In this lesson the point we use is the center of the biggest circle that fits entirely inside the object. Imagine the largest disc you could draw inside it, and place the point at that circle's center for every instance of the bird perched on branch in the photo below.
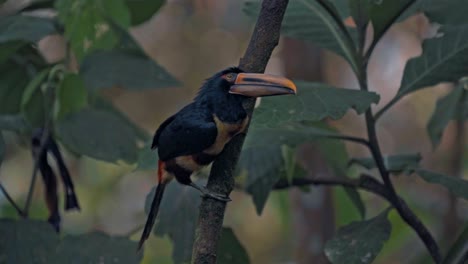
(194, 136)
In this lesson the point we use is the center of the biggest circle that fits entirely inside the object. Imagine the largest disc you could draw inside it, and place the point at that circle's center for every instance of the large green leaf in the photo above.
(126, 66)
(30, 241)
(314, 102)
(96, 248)
(264, 167)
(87, 25)
(455, 185)
(99, 103)
(443, 60)
(9, 48)
(26, 241)
(142, 10)
(360, 10)
(446, 12)
(230, 250)
(32, 100)
(177, 218)
(72, 95)
(394, 163)
(308, 20)
(99, 135)
(12, 84)
(26, 28)
(359, 242)
(449, 107)
(107, 69)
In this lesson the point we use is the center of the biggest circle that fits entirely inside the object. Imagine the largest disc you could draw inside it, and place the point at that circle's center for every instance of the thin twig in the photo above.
(386, 107)
(10, 199)
(404, 211)
(364, 182)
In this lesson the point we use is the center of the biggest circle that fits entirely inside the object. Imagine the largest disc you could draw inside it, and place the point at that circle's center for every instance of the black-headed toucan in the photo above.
(194, 136)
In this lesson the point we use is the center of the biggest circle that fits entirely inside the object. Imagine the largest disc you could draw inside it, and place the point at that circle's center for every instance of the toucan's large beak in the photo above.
(256, 85)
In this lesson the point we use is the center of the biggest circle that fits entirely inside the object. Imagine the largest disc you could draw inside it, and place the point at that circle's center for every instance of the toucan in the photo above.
(194, 136)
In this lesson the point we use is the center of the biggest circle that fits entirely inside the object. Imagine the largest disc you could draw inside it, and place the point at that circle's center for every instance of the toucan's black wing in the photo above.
(188, 132)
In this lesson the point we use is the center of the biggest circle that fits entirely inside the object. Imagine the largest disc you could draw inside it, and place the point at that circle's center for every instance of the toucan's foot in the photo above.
(215, 196)
(208, 194)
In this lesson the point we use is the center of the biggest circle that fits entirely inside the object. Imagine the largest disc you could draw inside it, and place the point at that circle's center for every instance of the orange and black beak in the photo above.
(257, 85)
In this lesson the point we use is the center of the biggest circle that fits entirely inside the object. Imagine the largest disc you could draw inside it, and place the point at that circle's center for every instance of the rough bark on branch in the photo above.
(262, 43)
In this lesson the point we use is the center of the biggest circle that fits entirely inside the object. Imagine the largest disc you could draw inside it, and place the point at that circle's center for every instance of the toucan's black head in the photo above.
(234, 83)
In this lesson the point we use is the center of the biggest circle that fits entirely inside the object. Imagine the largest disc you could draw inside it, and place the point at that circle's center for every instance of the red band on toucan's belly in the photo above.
(161, 166)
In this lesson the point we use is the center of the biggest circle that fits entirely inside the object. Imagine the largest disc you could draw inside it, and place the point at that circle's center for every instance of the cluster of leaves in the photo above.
(284, 123)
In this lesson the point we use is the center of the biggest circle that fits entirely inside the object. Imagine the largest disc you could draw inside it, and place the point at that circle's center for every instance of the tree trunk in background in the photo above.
(313, 212)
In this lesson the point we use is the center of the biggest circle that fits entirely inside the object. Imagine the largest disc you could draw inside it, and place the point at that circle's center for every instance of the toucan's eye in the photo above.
(230, 77)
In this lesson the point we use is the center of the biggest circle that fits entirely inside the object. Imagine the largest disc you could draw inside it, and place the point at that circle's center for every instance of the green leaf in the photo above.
(96, 248)
(455, 185)
(357, 201)
(177, 218)
(33, 86)
(33, 106)
(308, 20)
(72, 95)
(359, 242)
(446, 12)
(342, 6)
(147, 158)
(35, 110)
(230, 250)
(12, 84)
(394, 163)
(314, 102)
(15, 123)
(384, 13)
(360, 10)
(31, 241)
(87, 23)
(449, 107)
(127, 66)
(442, 61)
(26, 240)
(26, 28)
(289, 161)
(99, 103)
(107, 69)
(98, 134)
(9, 48)
(2, 148)
(143, 10)
(263, 165)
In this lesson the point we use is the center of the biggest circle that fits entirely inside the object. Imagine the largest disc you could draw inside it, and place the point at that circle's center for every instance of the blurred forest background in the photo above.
(192, 39)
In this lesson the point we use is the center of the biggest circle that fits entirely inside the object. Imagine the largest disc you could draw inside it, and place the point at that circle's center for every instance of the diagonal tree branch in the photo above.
(262, 43)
